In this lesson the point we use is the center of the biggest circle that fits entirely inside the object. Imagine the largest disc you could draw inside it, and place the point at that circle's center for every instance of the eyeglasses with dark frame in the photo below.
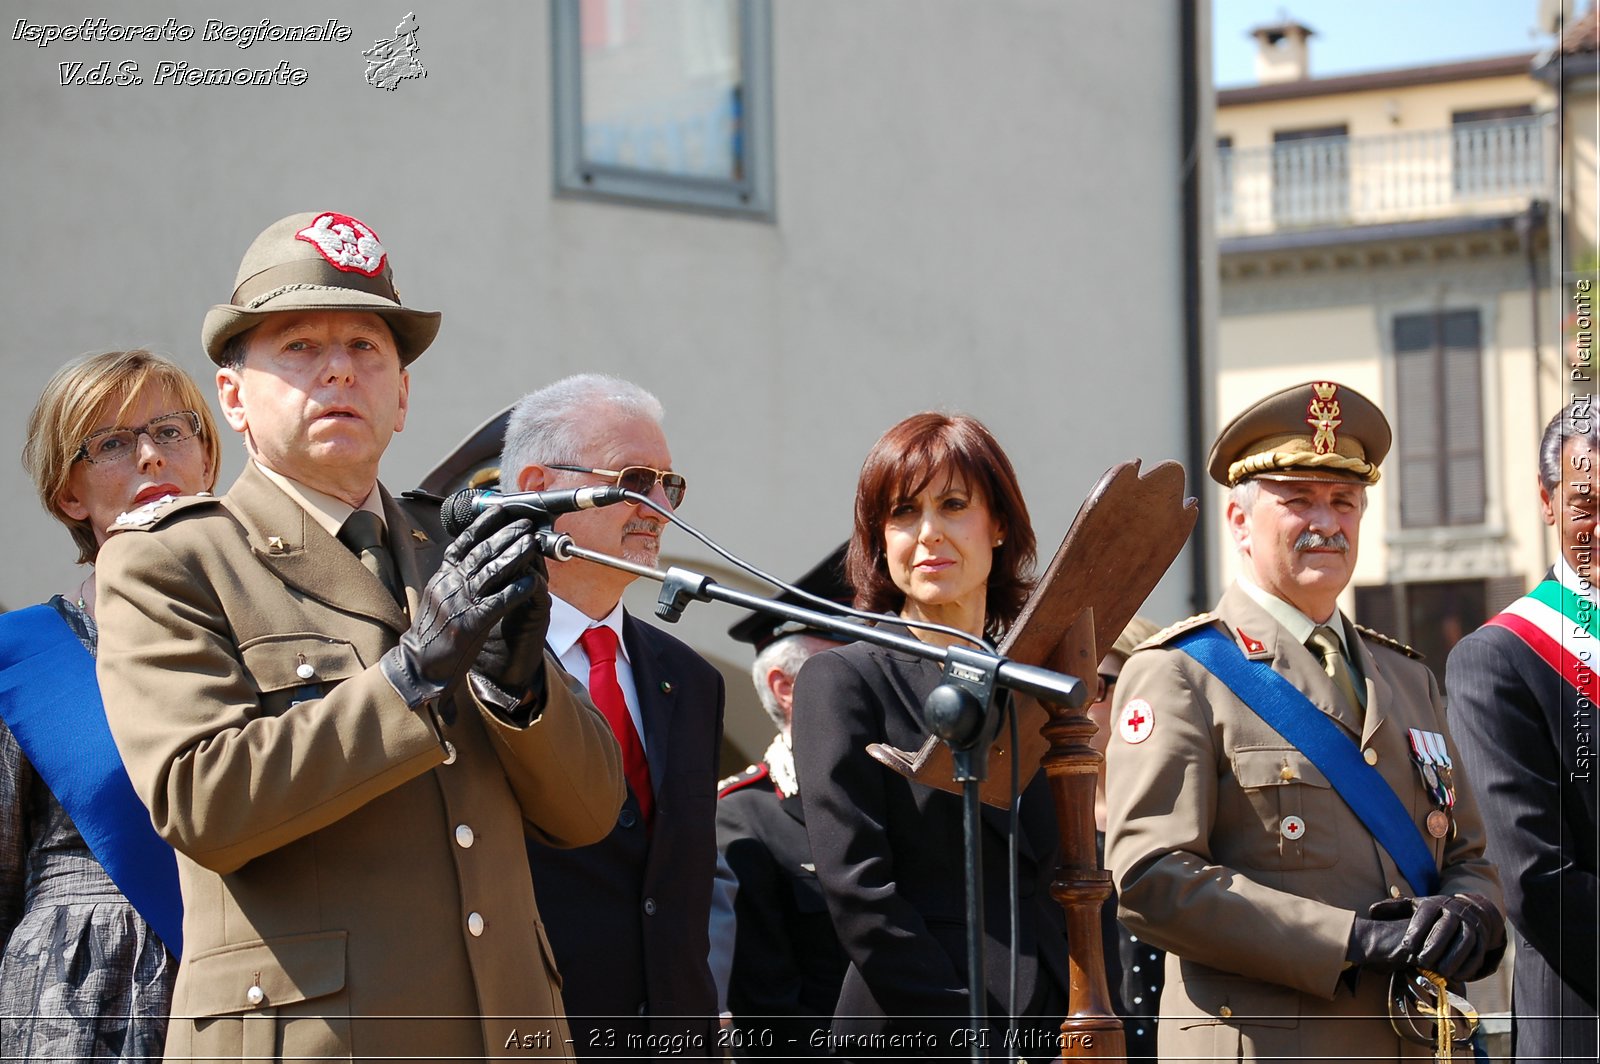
(639, 479)
(121, 443)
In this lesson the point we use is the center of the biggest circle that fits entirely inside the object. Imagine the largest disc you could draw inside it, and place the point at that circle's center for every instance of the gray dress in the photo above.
(82, 976)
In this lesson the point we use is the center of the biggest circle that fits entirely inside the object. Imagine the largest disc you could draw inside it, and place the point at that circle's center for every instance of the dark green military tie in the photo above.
(362, 532)
(1324, 642)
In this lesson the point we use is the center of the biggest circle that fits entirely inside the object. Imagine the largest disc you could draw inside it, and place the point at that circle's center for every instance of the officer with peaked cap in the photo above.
(1287, 816)
(341, 720)
(787, 961)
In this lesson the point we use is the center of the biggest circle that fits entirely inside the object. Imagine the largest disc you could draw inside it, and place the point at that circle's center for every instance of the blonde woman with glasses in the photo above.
(89, 911)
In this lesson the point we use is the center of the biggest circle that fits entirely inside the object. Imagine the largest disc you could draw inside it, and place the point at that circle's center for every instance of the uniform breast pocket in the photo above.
(1297, 810)
(297, 667)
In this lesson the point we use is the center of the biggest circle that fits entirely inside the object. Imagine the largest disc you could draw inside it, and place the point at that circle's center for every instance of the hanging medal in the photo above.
(1433, 764)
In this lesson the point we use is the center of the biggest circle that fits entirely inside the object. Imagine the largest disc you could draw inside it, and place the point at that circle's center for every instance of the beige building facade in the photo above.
(1406, 233)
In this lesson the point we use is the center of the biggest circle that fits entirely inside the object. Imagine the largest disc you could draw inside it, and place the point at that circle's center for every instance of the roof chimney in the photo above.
(1281, 52)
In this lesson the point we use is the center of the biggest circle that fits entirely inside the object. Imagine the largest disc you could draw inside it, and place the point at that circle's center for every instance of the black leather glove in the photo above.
(485, 573)
(512, 658)
(1377, 944)
(1460, 937)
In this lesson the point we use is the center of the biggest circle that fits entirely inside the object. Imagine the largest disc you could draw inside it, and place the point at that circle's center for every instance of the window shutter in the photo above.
(1439, 420)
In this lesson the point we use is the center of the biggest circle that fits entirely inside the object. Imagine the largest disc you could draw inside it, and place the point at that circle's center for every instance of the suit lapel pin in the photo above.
(1251, 646)
(419, 535)
(666, 687)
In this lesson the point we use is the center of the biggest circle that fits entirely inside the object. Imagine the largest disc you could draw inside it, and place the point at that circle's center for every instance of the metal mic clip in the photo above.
(553, 544)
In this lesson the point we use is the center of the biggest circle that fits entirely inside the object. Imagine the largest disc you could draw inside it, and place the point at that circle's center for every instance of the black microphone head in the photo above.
(461, 509)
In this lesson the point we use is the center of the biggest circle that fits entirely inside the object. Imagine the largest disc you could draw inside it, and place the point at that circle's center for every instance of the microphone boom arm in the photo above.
(680, 586)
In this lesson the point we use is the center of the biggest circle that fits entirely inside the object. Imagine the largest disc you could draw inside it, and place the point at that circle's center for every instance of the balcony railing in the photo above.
(1470, 168)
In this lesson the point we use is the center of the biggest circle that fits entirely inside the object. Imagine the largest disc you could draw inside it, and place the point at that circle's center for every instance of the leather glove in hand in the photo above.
(485, 574)
(1460, 937)
(512, 657)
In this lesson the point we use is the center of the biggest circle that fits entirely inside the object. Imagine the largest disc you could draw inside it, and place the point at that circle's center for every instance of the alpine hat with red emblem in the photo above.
(1319, 430)
(322, 260)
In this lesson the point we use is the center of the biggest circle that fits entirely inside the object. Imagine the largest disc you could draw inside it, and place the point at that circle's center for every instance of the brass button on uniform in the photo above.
(1225, 1012)
(305, 671)
(1394, 892)
(255, 995)
(475, 924)
(1286, 773)
(1370, 756)
(464, 837)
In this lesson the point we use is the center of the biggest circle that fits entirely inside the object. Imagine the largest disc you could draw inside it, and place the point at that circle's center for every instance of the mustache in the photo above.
(643, 524)
(1310, 540)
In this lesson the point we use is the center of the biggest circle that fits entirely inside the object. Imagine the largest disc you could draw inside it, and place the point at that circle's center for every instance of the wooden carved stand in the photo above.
(1127, 533)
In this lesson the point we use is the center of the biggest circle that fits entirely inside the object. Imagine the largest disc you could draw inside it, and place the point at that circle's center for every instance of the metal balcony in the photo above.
(1478, 168)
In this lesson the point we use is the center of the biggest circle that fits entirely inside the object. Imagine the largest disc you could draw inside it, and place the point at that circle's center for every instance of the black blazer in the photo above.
(628, 916)
(889, 855)
(1518, 727)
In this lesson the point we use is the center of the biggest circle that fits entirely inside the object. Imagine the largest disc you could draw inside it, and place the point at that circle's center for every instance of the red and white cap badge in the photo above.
(346, 243)
(1136, 721)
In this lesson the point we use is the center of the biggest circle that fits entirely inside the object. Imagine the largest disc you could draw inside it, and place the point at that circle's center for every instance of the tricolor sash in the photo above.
(50, 700)
(1562, 628)
(1290, 713)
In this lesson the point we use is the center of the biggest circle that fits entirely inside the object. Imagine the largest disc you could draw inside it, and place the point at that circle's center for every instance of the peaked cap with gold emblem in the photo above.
(321, 260)
(1319, 430)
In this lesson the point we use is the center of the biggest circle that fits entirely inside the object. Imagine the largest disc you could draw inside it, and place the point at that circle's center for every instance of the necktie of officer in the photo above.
(362, 532)
(1324, 642)
(600, 643)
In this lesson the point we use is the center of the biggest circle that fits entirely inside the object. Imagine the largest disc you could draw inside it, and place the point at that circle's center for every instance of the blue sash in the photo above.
(50, 700)
(1291, 714)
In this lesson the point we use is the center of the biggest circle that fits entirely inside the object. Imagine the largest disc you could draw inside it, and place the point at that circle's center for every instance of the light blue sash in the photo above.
(50, 700)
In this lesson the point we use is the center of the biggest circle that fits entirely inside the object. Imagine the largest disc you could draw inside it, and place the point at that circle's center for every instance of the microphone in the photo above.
(462, 508)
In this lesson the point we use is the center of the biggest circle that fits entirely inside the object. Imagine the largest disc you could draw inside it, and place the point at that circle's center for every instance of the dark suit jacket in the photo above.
(889, 854)
(1518, 726)
(787, 963)
(628, 916)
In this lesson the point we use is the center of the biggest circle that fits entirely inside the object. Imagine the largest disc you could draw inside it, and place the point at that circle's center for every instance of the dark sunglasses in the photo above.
(639, 479)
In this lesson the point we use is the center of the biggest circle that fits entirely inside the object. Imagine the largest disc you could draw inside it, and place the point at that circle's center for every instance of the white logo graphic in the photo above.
(393, 61)
(346, 243)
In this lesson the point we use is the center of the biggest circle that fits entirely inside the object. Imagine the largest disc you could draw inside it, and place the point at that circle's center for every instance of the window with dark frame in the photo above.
(664, 104)
(1432, 616)
(1439, 419)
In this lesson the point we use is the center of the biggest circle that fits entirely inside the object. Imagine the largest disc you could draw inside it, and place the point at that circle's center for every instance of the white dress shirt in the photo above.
(567, 624)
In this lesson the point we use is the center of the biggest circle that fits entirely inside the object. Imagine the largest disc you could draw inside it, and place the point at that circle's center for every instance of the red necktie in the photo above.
(600, 643)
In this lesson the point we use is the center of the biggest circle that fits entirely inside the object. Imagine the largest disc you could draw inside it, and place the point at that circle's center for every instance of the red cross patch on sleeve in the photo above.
(1136, 721)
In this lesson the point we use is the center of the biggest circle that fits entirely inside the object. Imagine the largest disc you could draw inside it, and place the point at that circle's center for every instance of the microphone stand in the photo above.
(963, 710)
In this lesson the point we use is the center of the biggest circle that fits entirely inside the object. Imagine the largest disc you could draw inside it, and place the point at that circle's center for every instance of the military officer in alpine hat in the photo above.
(1287, 815)
(342, 720)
